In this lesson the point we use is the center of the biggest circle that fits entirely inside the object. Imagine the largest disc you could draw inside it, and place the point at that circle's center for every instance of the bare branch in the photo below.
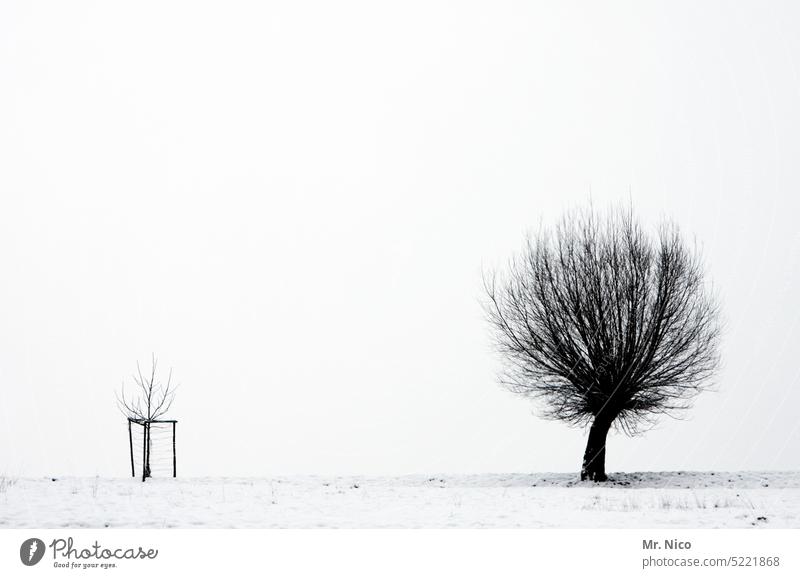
(152, 400)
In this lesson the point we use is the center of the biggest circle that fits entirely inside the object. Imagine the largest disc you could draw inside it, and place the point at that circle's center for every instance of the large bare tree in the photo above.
(606, 324)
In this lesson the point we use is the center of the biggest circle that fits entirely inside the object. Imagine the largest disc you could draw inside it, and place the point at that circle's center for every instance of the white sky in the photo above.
(291, 204)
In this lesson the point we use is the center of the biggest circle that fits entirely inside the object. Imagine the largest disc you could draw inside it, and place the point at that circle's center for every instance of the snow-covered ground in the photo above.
(630, 500)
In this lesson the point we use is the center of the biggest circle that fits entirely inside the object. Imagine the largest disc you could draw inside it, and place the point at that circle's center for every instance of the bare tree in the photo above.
(605, 324)
(150, 401)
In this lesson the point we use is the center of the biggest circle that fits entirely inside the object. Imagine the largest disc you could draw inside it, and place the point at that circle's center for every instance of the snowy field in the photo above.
(631, 500)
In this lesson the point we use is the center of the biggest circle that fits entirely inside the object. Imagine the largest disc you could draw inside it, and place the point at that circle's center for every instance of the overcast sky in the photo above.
(291, 204)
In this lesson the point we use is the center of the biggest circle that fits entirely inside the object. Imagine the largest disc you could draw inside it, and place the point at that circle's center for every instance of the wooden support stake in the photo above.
(144, 451)
(174, 465)
(130, 441)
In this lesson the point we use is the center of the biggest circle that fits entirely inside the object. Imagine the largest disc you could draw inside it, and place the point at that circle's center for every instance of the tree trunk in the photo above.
(147, 453)
(594, 459)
